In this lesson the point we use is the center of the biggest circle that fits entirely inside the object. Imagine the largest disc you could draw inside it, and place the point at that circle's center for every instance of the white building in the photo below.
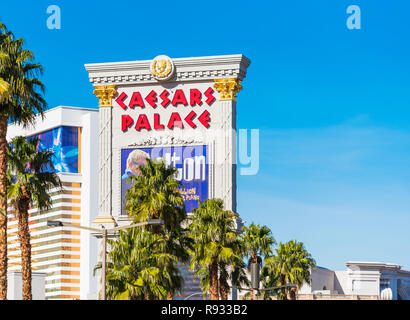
(67, 255)
(361, 280)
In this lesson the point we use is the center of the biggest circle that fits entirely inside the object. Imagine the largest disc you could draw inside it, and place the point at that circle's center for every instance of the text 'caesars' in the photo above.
(163, 100)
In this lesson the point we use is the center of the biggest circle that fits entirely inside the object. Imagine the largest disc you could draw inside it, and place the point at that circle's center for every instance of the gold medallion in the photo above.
(162, 67)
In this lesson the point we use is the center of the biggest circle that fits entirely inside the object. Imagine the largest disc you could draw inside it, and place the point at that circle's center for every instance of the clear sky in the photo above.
(332, 104)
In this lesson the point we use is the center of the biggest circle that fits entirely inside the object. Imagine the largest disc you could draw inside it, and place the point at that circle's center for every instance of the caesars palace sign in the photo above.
(182, 111)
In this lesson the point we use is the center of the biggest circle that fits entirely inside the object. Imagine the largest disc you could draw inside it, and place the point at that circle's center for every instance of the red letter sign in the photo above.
(204, 118)
(136, 100)
(195, 97)
(157, 123)
(152, 98)
(208, 94)
(164, 97)
(142, 123)
(126, 122)
(120, 100)
(188, 119)
(175, 120)
(179, 97)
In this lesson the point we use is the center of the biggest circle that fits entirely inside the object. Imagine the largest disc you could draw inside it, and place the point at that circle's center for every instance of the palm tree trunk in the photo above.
(156, 228)
(283, 282)
(3, 208)
(223, 288)
(292, 294)
(213, 280)
(25, 246)
(148, 295)
(254, 259)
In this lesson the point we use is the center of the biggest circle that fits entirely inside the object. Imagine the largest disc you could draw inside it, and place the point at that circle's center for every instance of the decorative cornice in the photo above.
(165, 140)
(105, 95)
(228, 88)
(186, 69)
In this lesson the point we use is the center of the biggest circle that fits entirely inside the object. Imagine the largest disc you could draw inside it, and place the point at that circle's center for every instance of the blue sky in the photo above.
(332, 104)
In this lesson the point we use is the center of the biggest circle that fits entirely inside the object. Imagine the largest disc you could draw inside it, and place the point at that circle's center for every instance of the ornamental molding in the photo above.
(166, 140)
(105, 95)
(228, 88)
(186, 69)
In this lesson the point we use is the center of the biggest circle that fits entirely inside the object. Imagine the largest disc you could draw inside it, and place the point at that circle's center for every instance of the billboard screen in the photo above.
(190, 161)
(63, 142)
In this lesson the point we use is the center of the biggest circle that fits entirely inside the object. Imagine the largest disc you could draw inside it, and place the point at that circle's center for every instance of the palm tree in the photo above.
(138, 266)
(24, 99)
(203, 274)
(213, 230)
(223, 285)
(234, 271)
(177, 243)
(257, 241)
(269, 280)
(290, 265)
(155, 195)
(237, 271)
(31, 176)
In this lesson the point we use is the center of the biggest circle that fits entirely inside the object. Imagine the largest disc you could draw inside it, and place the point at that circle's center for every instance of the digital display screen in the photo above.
(63, 142)
(190, 161)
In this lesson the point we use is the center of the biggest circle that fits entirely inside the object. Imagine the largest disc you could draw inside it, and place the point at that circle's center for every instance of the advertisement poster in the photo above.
(190, 161)
(63, 141)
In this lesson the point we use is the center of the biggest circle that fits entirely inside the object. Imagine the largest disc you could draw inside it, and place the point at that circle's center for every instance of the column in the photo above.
(226, 141)
(105, 95)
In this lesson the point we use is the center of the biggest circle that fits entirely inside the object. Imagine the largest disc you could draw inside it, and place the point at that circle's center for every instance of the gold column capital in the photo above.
(105, 94)
(228, 88)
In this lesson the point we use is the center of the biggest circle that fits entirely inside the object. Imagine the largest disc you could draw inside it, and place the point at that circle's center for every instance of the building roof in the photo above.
(55, 117)
(368, 264)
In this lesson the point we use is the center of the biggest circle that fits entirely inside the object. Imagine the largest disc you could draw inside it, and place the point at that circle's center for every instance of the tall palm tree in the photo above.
(223, 277)
(213, 230)
(155, 195)
(24, 99)
(257, 242)
(138, 266)
(290, 265)
(31, 176)
(233, 270)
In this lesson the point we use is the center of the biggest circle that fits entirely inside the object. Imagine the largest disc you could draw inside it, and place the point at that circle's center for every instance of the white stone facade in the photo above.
(190, 73)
